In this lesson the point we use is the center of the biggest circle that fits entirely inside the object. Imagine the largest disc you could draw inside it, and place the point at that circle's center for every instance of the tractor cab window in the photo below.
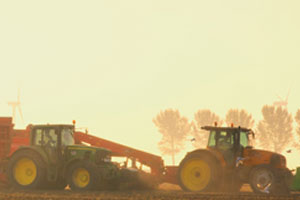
(212, 139)
(225, 140)
(45, 137)
(244, 139)
(221, 139)
(38, 137)
(67, 137)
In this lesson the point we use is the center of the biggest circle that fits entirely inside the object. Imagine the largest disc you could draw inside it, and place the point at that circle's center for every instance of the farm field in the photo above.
(165, 192)
(135, 195)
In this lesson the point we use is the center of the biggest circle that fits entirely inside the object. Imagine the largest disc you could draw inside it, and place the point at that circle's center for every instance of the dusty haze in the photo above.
(113, 65)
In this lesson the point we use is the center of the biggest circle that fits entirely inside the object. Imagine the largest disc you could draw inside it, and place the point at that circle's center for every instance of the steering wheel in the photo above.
(224, 144)
(50, 142)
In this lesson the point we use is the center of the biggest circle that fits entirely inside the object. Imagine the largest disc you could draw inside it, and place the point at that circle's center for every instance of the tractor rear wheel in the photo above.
(83, 176)
(26, 170)
(198, 172)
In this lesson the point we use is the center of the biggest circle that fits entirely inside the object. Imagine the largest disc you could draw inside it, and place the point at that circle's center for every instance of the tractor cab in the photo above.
(58, 143)
(52, 136)
(229, 141)
(52, 140)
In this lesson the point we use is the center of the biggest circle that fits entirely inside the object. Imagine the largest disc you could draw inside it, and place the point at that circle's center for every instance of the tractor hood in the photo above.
(258, 156)
(87, 152)
(87, 148)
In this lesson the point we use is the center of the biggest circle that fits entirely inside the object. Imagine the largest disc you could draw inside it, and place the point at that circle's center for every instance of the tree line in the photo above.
(274, 132)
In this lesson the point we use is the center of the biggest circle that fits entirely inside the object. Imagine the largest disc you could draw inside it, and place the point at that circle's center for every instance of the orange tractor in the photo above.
(229, 161)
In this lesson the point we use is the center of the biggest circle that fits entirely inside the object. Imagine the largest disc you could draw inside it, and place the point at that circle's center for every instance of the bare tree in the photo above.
(275, 130)
(239, 118)
(174, 130)
(203, 118)
(297, 119)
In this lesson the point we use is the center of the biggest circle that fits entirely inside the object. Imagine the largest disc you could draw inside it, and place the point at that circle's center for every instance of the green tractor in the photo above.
(53, 161)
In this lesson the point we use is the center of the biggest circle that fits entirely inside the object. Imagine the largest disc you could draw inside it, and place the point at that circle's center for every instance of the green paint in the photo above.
(296, 182)
(78, 152)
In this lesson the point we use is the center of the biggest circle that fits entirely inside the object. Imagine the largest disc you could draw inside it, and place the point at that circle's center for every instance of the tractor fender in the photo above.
(277, 161)
(210, 153)
(33, 150)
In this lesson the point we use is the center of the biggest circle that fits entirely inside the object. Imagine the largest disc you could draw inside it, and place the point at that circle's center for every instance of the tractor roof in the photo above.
(228, 129)
(52, 125)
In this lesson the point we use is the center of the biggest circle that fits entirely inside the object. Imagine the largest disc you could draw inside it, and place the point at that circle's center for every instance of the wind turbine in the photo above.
(16, 105)
(282, 102)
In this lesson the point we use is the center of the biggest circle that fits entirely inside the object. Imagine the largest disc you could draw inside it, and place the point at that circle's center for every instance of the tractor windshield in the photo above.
(67, 136)
(221, 139)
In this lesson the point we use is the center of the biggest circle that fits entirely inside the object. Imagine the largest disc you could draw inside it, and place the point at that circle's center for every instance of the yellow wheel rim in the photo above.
(25, 171)
(81, 177)
(195, 174)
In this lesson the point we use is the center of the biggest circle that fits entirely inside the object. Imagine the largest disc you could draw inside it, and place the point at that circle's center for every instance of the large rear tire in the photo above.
(198, 172)
(83, 176)
(26, 170)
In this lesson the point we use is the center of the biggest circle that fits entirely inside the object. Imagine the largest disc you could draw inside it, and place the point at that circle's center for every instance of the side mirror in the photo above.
(253, 135)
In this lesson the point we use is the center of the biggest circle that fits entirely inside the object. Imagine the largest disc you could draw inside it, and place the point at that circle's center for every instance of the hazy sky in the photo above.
(113, 65)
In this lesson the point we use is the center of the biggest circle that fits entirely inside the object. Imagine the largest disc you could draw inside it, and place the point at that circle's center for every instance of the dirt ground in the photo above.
(165, 192)
(135, 195)
(167, 186)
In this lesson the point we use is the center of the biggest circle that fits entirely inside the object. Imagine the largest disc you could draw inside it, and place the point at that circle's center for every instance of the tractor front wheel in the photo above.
(262, 179)
(26, 170)
(83, 176)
